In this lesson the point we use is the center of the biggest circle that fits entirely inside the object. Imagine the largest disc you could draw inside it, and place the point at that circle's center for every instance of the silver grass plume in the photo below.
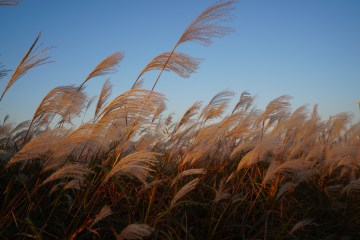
(32, 58)
(183, 191)
(222, 192)
(40, 146)
(288, 186)
(137, 164)
(188, 172)
(193, 110)
(245, 102)
(65, 101)
(207, 24)
(105, 67)
(75, 171)
(104, 96)
(217, 105)
(276, 110)
(134, 231)
(104, 212)
(202, 29)
(134, 102)
(179, 63)
(301, 224)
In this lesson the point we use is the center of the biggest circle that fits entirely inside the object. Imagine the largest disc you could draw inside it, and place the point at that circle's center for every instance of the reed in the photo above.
(217, 172)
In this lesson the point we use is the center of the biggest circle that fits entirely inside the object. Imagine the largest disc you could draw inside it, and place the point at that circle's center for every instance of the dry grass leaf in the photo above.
(184, 136)
(193, 156)
(245, 126)
(207, 24)
(106, 66)
(295, 122)
(245, 102)
(337, 125)
(150, 185)
(73, 184)
(137, 165)
(179, 63)
(32, 58)
(42, 145)
(187, 172)
(301, 224)
(256, 154)
(21, 126)
(104, 96)
(222, 192)
(217, 105)
(293, 166)
(276, 110)
(65, 101)
(145, 142)
(134, 103)
(353, 134)
(11, 136)
(17, 135)
(289, 186)
(138, 83)
(5, 130)
(225, 126)
(129, 113)
(75, 171)
(342, 155)
(183, 191)
(193, 110)
(81, 140)
(135, 231)
(158, 111)
(108, 126)
(104, 212)
(271, 171)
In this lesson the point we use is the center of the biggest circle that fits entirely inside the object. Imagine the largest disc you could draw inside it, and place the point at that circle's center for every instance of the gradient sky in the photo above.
(307, 49)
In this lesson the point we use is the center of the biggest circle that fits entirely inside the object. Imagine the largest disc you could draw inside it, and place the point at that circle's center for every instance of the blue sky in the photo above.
(307, 49)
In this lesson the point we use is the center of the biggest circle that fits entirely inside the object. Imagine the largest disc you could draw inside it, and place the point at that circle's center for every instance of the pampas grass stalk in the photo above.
(183, 191)
(135, 231)
(31, 59)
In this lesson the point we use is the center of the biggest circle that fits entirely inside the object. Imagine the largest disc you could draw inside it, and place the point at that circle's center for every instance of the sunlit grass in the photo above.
(217, 172)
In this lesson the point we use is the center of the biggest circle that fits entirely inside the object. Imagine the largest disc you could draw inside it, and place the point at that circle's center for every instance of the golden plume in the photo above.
(32, 58)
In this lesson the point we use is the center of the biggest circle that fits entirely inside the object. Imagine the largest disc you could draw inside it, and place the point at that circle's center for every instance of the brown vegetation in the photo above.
(131, 173)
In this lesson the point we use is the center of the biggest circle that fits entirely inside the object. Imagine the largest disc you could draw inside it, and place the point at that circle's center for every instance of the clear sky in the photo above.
(307, 49)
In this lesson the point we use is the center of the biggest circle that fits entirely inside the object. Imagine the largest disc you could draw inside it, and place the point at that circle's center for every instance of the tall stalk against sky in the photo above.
(32, 58)
(206, 26)
(202, 30)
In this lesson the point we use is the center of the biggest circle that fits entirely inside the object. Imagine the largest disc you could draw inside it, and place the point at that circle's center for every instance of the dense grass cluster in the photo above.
(216, 173)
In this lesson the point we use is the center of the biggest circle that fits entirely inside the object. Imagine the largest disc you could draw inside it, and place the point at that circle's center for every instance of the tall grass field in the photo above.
(219, 171)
